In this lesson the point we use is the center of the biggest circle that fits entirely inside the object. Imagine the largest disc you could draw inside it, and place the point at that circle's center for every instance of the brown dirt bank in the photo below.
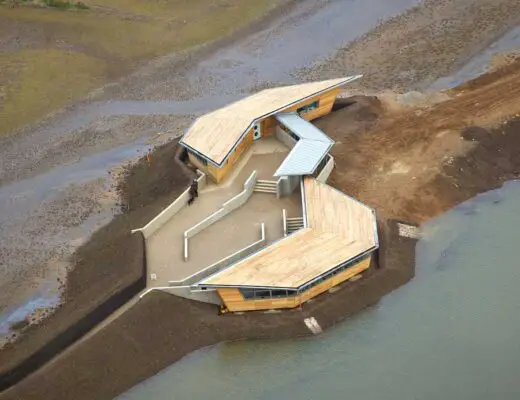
(409, 163)
(106, 265)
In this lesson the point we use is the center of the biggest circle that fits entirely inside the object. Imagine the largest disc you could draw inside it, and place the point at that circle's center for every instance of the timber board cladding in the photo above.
(234, 301)
(218, 174)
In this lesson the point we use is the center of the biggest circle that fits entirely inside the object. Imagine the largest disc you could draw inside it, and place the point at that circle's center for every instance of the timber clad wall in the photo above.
(325, 106)
(220, 173)
(234, 301)
(269, 126)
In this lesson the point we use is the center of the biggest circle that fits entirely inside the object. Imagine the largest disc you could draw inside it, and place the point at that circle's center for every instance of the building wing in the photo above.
(338, 229)
(214, 135)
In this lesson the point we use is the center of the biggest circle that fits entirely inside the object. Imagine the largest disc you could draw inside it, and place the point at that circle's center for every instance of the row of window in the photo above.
(266, 293)
(340, 268)
(308, 107)
(250, 294)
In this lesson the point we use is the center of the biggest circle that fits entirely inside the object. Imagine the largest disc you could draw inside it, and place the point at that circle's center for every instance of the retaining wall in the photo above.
(285, 138)
(162, 218)
(326, 171)
(205, 296)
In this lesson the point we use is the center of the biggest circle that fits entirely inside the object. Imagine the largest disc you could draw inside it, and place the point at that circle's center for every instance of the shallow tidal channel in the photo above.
(452, 332)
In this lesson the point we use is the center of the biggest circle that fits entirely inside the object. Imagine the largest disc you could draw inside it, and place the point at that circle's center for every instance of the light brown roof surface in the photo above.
(214, 135)
(339, 228)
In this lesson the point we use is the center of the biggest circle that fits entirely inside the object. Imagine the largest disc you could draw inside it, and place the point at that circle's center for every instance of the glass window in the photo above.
(308, 107)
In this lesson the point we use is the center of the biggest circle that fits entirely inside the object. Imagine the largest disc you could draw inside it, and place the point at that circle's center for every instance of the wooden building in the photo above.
(333, 240)
(216, 140)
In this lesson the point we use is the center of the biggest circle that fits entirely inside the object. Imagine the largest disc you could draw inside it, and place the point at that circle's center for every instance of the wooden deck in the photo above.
(215, 134)
(339, 228)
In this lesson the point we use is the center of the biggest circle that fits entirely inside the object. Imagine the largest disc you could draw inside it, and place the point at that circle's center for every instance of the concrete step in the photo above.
(264, 190)
(295, 223)
(265, 182)
(265, 187)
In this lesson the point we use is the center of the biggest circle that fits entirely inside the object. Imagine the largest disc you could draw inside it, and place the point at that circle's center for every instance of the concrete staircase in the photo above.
(294, 224)
(263, 186)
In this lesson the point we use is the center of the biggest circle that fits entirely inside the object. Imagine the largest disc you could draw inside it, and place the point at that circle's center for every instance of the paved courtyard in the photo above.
(235, 231)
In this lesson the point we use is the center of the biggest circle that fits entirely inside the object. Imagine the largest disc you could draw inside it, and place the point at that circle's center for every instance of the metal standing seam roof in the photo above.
(312, 147)
(214, 136)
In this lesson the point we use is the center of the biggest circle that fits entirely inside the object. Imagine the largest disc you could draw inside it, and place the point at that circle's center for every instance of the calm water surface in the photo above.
(452, 333)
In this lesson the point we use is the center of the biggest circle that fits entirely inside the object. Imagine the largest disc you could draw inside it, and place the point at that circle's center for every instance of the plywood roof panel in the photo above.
(215, 134)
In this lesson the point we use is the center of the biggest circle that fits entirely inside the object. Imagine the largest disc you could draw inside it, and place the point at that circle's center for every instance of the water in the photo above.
(451, 333)
(479, 64)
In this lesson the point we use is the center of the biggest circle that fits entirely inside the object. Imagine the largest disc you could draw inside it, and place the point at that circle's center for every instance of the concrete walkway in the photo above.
(232, 233)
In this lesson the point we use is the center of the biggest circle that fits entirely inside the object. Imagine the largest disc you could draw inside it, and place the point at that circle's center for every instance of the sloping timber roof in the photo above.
(339, 228)
(214, 135)
(312, 147)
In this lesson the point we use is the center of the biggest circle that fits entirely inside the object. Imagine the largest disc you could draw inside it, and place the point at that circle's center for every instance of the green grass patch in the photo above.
(108, 42)
(42, 81)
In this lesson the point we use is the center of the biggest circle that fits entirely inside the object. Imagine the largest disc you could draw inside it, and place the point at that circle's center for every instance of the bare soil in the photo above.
(409, 162)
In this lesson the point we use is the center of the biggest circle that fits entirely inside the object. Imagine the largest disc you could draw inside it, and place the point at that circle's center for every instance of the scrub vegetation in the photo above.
(53, 52)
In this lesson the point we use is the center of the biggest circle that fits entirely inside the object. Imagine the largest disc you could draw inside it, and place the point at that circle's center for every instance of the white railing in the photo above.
(284, 219)
(164, 216)
(226, 261)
